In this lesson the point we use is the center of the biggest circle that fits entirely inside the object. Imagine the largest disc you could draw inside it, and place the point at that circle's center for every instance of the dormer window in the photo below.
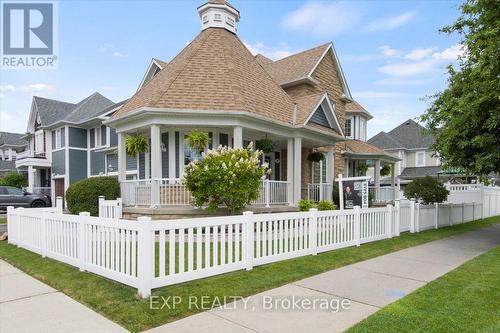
(230, 21)
(217, 17)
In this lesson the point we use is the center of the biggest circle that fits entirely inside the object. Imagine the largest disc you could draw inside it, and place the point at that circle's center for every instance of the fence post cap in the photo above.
(84, 214)
(101, 196)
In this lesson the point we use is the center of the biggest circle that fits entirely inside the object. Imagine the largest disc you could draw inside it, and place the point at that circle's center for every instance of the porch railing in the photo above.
(273, 192)
(319, 191)
(382, 193)
(172, 192)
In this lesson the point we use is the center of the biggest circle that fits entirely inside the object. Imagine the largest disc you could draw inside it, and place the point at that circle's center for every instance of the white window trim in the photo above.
(422, 152)
(351, 131)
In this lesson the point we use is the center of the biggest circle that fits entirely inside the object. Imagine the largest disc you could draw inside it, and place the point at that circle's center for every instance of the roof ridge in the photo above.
(301, 52)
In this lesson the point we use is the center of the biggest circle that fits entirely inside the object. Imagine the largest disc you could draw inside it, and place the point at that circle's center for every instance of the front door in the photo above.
(59, 188)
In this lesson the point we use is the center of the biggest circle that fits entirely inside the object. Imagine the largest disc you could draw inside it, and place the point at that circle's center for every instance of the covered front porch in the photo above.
(159, 183)
(362, 159)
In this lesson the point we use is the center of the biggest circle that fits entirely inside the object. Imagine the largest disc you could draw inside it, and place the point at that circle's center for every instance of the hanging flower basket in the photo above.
(136, 144)
(386, 170)
(198, 140)
(265, 145)
(362, 168)
(316, 156)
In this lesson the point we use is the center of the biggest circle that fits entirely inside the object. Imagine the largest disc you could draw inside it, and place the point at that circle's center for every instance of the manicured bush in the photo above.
(326, 205)
(426, 190)
(83, 196)
(306, 204)
(225, 176)
(12, 178)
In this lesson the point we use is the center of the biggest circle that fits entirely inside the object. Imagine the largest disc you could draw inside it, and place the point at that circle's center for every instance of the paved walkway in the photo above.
(369, 285)
(28, 305)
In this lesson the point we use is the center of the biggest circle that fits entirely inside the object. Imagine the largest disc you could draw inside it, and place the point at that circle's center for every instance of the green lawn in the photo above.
(122, 305)
(3, 220)
(466, 299)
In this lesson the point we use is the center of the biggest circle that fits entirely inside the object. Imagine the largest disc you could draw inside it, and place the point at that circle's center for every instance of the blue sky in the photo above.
(391, 51)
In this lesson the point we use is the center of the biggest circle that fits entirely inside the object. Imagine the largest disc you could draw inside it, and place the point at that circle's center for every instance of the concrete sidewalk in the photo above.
(28, 305)
(369, 285)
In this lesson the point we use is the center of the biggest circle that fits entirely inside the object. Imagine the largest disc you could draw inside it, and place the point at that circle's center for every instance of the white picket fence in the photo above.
(110, 209)
(147, 255)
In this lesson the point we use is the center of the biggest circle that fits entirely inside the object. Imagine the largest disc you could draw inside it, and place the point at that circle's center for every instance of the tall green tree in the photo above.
(464, 118)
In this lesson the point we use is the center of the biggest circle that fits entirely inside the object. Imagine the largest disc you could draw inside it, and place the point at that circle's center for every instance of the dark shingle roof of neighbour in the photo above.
(415, 172)
(409, 135)
(7, 165)
(385, 141)
(12, 139)
(52, 111)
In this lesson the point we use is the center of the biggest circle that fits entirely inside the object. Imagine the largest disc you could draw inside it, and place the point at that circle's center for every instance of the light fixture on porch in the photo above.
(110, 168)
(163, 147)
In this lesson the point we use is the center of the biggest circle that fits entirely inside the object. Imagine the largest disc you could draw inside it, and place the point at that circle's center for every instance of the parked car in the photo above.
(13, 196)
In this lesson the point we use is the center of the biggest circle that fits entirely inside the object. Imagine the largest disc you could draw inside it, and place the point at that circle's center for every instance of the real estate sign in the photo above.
(353, 191)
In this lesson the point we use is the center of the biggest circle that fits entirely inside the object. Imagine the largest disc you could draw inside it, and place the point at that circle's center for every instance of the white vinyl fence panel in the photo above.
(147, 255)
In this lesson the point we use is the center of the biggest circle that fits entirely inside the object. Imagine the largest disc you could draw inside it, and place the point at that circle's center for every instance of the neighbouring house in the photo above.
(67, 142)
(412, 146)
(10, 145)
(217, 86)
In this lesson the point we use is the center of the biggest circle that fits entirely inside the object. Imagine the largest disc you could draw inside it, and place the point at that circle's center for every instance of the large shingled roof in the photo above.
(53, 111)
(408, 135)
(12, 139)
(214, 72)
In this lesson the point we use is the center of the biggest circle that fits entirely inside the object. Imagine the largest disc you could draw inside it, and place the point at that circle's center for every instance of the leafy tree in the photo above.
(465, 118)
(12, 178)
(226, 176)
(426, 190)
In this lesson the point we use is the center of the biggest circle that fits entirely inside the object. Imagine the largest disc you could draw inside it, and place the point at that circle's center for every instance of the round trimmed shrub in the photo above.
(426, 190)
(306, 204)
(83, 196)
(326, 205)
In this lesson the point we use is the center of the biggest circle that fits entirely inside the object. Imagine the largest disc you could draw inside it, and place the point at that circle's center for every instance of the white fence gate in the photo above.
(148, 255)
(110, 209)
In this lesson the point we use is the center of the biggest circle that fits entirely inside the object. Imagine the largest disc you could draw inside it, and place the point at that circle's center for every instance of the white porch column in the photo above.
(289, 169)
(376, 176)
(122, 158)
(393, 181)
(31, 178)
(330, 166)
(10, 154)
(297, 169)
(155, 165)
(171, 153)
(346, 168)
(238, 137)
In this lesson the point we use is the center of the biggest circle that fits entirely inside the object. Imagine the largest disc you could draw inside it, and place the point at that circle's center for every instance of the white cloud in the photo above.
(323, 18)
(418, 54)
(106, 47)
(387, 51)
(402, 82)
(37, 87)
(119, 54)
(274, 53)
(377, 94)
(452, 53)
(390, 23)
(408, 69)
(7, 88)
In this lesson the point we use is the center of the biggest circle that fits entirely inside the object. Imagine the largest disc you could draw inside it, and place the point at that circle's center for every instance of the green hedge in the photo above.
(83, 196)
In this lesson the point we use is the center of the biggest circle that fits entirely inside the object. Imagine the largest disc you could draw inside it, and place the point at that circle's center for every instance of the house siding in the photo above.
(77, 165)
(77, 137)
(58, 162)
(319, 117)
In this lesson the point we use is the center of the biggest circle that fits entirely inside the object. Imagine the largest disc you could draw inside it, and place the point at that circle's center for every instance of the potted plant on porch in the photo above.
(198, 140)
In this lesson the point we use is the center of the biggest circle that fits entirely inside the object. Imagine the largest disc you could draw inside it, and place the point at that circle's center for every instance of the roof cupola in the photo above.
(218, 14)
